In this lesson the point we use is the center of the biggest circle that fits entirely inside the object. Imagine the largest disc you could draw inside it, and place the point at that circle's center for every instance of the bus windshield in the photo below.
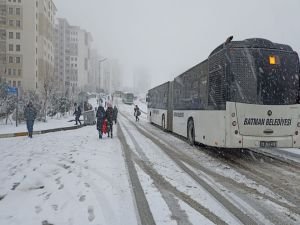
(129, 96)
(263, 76)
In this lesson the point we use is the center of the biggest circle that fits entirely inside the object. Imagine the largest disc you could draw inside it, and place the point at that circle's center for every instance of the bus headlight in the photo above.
(298, 124)
(234, 123)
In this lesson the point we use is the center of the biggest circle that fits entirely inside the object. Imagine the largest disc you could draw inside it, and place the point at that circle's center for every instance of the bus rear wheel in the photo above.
(163, 122)
(191, 132)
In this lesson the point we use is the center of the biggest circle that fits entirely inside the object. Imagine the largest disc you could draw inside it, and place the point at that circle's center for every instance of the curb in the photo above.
(22, 134)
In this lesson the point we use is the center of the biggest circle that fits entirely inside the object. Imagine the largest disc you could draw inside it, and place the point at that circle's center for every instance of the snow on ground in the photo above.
(64, 178)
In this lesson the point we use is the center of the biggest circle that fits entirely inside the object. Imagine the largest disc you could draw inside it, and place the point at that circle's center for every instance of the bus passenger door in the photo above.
(170, 107)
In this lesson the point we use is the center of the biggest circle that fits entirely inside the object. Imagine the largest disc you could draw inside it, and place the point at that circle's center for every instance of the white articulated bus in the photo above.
(127, 98)
(159, 104)
(245, 95)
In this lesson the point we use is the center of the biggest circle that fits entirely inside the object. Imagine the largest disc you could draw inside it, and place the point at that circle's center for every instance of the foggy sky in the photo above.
(167, 37)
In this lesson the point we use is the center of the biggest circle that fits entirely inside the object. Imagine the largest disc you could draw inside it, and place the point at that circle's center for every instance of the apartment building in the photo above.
(26, 46)
(83, 40)
(66, 50)
(94, 79)
(72, 57)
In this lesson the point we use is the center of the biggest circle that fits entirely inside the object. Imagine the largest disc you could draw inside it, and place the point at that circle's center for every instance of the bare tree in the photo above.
(49, 87)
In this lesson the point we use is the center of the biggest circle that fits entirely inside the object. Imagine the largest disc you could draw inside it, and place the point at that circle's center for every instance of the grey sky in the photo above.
(168, 37)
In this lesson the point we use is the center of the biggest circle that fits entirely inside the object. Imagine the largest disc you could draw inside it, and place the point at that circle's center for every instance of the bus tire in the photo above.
(191, 132)
(163, 122)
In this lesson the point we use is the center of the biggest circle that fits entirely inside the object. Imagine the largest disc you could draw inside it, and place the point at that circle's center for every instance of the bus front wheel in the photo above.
(191, 132)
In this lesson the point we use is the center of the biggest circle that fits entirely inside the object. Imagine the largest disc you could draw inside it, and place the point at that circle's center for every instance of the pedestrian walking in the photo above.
(109, 117)
(30, 115)
(115, 114)
(77, 114)
(100, 115)
(137, 113)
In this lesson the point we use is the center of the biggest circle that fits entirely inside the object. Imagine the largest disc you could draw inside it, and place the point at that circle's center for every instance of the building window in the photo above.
(18, 48)
(18, 23)
(11, 35)
(14, 83)
(11, 59)
(18, 59)
(10, 11)
(18, 11)
(10, 47)
(14, 72)
(18, 35)
(11, 23)
(19, 83)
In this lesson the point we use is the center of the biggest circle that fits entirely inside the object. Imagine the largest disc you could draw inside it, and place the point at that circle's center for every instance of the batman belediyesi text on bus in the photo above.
(270, 122)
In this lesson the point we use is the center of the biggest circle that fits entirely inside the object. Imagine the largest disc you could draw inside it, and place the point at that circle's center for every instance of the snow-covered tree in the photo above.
(7, 102)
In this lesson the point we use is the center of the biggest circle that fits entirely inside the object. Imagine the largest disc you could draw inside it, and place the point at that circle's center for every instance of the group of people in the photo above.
(105, 119)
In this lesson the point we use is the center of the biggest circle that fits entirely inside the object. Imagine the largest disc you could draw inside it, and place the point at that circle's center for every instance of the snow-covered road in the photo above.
(141, 176)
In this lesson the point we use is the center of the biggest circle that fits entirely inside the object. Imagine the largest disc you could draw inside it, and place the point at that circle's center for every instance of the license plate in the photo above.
(268, 144)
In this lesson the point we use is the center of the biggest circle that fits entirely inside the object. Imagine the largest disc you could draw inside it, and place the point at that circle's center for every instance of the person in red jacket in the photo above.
(100, 115)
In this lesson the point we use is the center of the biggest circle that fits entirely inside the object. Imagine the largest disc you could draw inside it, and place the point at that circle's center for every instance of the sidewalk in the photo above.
(53, 125)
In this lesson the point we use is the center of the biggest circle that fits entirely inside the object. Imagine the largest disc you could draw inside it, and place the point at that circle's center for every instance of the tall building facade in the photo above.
(111, 76)
(26, 45)
(95, 75)
(84, 40)
(141, 80)
(66, 57)
(72, 58)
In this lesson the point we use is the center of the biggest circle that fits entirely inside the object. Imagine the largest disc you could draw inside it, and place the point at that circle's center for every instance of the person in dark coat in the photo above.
(30, 115)
(100, 115)
(115, 114)
(77, 114)
(109, 117)
(137, 113)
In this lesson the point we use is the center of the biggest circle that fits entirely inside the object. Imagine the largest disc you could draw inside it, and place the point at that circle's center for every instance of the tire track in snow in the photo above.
(144, 212)
(168, 191)
(239, 214)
